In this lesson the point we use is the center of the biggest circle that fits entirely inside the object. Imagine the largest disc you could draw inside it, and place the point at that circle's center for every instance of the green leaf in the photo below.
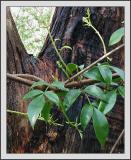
(111, 100)
(119, 71)
(34, 109)
(46, 111)
(114, 84)
(105, 73)
(62, 94)
(121, 91)
(39, 83)
(116, 80)
(52, 97)
(70, 97)
(116, 36)
(101, 126)
(71, 67)
(86, 114)
(59, 85)
(95, 91)
(94, 103)
(101, 106)
(94, 74)
(32, 94)
(65, 47)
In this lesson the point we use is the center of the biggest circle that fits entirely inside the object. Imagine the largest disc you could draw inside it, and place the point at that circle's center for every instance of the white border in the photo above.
(126, 4)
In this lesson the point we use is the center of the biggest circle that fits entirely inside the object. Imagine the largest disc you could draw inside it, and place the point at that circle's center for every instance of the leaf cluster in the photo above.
(104, 93)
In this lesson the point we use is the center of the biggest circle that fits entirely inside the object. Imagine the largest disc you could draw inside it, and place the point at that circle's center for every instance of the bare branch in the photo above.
(32, 77)
(19, 79)
(84, 82)
(69, 85)
(117, 141)
(88, 67)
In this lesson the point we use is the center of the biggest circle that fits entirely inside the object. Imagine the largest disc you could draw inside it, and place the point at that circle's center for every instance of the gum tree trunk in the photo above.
(68, 27)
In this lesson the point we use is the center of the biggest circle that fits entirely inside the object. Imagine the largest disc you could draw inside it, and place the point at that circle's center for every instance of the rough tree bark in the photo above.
(66, 25)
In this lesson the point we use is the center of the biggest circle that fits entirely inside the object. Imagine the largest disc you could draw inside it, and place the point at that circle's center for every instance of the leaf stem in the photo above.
(69, 122)
(88, 99)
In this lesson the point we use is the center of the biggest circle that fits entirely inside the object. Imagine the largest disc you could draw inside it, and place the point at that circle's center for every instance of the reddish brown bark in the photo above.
(66, 25)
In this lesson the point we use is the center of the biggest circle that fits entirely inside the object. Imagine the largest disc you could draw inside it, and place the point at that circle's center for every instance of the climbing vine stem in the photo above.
(26, 115)
(88, 23)
(58, 54)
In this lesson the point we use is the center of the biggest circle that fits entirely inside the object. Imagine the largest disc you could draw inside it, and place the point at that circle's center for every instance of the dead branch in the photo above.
(31, 77)
(117, 141)
(19, 79)
(94, 63)
(69, 85)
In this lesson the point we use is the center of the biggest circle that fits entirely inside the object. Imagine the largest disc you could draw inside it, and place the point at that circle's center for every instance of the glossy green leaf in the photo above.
(116, 36)
(71, 97)
(121, 91)
(116, 80)
(100, 125)
(34, 109)
(95, 91)
(32, 94)
(59, 85)
(111, 100)
(105, 73)
(101, 106)
(114, 84)
(95, 103)
(94, 74)
(62, 94)
(46, 111)
(119, 71)
(86, 114)
(52, 97)
(71, 67)
(39, 83)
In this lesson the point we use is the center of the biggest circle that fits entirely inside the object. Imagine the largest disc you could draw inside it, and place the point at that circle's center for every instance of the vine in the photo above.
(88, 23)
(100, 96)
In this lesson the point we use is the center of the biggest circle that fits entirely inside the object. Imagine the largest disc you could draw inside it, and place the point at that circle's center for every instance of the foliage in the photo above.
(102, 93)
(116, 36)
(100, 97)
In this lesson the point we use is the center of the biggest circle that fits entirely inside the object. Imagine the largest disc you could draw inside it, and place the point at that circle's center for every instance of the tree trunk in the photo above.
(66, 25)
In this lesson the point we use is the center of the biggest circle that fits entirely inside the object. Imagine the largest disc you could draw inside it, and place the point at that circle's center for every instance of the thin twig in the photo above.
(84, 82)
(17, 112)
(94, 63)
(117, 141)
(68, 85)
(19, 79)
(57, 52)
(28, 76)
(100, 37)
